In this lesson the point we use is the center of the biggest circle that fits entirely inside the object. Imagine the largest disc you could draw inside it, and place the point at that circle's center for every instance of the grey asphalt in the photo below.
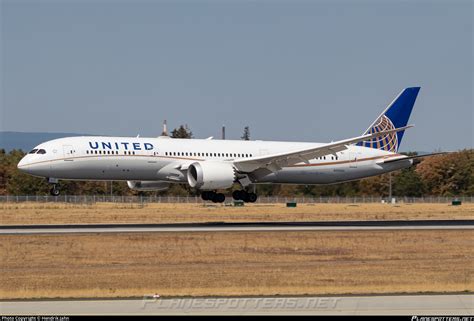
(365, 305)
(238, 226)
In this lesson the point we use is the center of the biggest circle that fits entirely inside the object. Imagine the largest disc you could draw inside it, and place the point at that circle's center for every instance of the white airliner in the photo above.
(210, 166)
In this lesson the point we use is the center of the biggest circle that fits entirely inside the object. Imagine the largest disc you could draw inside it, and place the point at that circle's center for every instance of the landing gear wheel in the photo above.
(237, 195)
(252, 197)
(55, 191)
(206, 196)
(221, 198)
(218, 198)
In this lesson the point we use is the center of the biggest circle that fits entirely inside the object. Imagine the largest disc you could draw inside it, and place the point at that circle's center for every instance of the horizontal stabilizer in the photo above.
(404, 158)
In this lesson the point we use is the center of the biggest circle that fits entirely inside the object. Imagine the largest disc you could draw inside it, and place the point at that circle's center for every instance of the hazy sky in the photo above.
(291, 70)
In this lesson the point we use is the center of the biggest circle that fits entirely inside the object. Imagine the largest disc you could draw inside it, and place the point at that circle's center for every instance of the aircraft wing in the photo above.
(277, 161)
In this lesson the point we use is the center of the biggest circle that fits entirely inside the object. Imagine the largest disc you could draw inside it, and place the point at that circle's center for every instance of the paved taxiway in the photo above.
(407, 305)
(242, 226)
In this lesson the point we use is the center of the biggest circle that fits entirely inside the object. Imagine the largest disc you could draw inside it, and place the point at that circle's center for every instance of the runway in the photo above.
(391, 305)
(239, 226)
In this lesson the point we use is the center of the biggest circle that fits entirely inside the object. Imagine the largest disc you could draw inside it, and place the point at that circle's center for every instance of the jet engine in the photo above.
(148, 185)
(210, 175)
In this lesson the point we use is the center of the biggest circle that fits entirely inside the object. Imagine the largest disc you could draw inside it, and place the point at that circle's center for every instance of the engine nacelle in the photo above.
(210, 175)
(148, 185)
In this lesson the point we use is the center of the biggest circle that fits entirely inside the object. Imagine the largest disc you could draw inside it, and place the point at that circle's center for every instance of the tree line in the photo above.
(444, 175)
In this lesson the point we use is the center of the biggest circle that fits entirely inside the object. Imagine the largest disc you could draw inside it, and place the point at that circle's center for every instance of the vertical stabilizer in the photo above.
(396, 115)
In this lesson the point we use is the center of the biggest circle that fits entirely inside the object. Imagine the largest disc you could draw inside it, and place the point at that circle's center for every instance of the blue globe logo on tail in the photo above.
(388, 142)
(396, 115)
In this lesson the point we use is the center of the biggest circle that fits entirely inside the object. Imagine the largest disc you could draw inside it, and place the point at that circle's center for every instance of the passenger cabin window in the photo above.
(33, 151)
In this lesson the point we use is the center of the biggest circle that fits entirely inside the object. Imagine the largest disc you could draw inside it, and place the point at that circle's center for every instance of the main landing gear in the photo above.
(244, 196)
(237, 195)
(213, 196)
(55, 191)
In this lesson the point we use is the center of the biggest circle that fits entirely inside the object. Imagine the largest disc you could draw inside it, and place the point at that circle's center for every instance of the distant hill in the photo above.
(26, 141)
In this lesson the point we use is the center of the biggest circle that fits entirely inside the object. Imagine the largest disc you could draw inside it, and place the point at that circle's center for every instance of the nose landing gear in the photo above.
(55, 191)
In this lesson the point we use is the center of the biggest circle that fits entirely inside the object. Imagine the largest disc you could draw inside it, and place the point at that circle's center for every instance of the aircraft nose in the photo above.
(30, 165)
(22, 163)
(25, 165)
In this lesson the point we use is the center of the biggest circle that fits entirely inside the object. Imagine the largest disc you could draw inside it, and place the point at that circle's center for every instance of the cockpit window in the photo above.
(33, 151)
(41, 151)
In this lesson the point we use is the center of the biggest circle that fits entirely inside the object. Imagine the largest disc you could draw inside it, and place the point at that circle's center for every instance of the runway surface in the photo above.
(241, 226)
(395, 305)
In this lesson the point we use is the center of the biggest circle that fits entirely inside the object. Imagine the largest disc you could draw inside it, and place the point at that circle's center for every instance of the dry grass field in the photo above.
(236, 263)
(65, 213)
(232, 263)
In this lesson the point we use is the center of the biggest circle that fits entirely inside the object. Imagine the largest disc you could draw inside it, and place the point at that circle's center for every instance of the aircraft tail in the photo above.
(396, 115)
